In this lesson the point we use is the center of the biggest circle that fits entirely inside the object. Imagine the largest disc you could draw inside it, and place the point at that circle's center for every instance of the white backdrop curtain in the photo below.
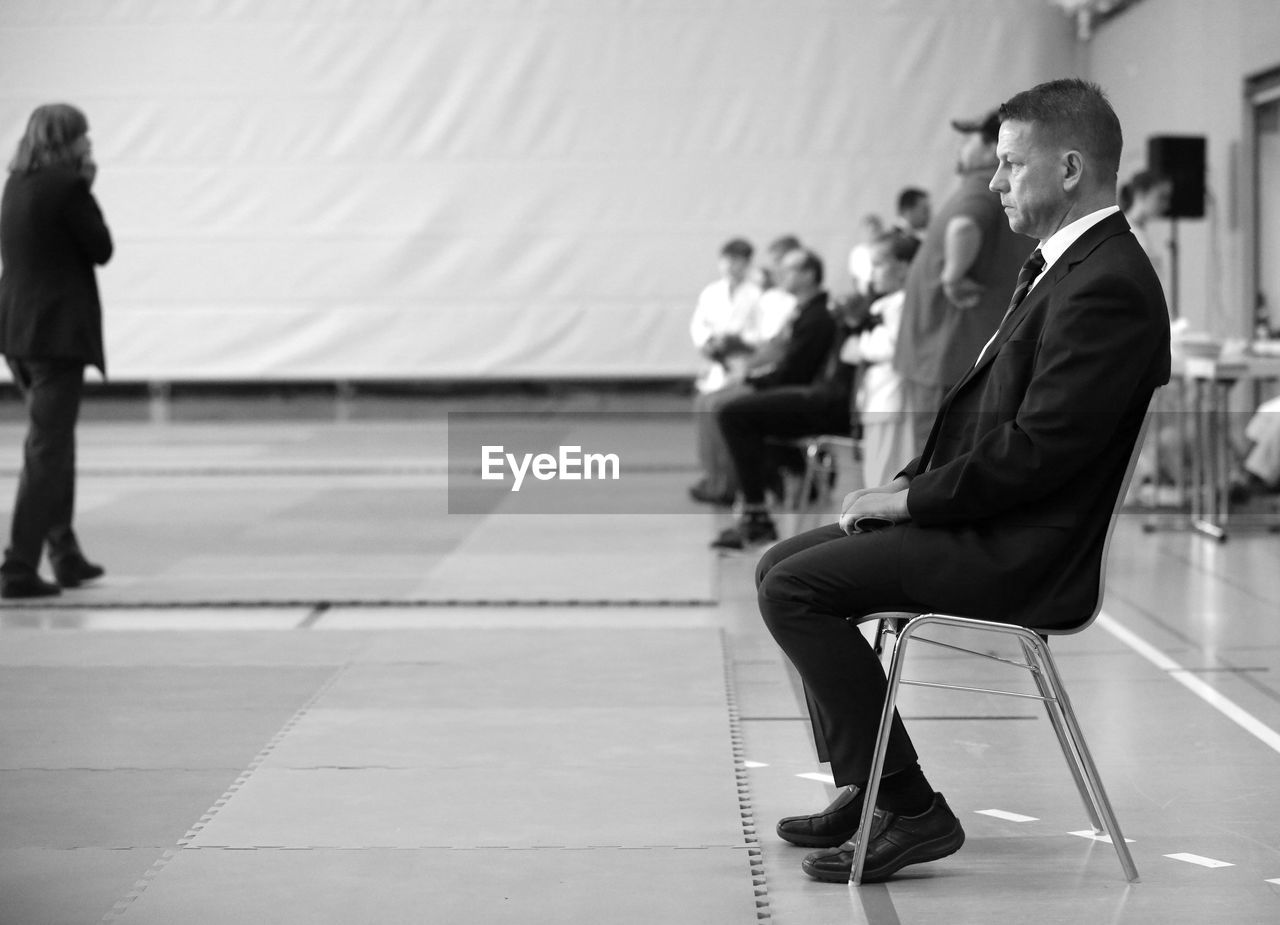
(433, 189)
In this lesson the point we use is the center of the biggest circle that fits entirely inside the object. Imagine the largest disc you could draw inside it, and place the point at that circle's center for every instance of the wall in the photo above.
(1175, 67)
(488, 188)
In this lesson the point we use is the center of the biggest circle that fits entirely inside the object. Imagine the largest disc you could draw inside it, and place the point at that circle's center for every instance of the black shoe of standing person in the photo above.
(73, 570)
(750, 530)
(833, 826)
(896, 841)
(25, 585)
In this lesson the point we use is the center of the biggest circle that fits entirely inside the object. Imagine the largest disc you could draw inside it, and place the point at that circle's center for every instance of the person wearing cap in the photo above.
(960, 281)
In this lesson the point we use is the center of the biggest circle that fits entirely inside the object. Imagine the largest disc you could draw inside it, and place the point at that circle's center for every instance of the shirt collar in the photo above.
(1057, 243)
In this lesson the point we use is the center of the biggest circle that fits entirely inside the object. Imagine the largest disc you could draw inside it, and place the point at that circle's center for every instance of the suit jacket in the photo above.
(1012, 496)
(51, 235)
(801, 356)
(937, 342)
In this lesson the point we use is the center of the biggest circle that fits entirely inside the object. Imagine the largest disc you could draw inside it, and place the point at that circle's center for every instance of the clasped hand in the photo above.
(885, 501)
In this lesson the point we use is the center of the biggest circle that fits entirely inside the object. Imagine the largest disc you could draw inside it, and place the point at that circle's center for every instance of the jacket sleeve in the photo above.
(87, 224)
(805, 350)
(1092, 365)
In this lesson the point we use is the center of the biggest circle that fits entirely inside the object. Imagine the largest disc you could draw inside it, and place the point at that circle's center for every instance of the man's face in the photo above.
(887, 274)
(734, 268)
(918, 215)
(1029, 178)
(796, 278)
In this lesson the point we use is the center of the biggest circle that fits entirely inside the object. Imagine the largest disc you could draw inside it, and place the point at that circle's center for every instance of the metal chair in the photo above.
(819, 465)
(895, 630)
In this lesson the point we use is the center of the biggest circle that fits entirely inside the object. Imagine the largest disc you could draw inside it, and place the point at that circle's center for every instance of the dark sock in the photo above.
(906, 792)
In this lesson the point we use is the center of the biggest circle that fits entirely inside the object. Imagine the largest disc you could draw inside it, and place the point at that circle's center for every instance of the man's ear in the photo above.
(1072, 170)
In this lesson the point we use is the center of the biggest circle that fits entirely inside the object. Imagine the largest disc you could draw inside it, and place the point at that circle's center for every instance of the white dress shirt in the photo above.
(1054, 247)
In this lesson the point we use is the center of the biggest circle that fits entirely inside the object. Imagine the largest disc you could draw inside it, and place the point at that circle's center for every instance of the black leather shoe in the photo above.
(896, 841)
(71, 571)
(834, 825)
(15, 587)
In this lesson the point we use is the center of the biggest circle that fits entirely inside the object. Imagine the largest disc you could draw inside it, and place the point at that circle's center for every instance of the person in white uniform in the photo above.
(887, 435)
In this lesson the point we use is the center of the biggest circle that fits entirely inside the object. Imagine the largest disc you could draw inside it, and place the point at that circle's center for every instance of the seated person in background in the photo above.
(805, 390)
(1143, 198)
(870, 228)
(726, 329)
(1261, 466)
(776, 304)
(880, 404)
(771, 327)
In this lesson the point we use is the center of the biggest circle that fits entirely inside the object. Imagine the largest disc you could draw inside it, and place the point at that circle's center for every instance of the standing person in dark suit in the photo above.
(1004, 514)
(51, 235)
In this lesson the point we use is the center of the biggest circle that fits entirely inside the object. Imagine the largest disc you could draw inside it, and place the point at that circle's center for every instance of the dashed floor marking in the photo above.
(1197, 859)
(1089, 833)
(1007, 816)
(820, 778)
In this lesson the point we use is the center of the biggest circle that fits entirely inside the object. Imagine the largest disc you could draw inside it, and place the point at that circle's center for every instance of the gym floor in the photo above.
(330, 677)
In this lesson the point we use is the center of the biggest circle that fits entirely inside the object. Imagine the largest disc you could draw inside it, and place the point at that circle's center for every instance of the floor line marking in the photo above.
(1198, 859)
(1007, 816)
(754, 764)
(1276, 881)
(820, 778)
(1105, 839)
(1210, 695)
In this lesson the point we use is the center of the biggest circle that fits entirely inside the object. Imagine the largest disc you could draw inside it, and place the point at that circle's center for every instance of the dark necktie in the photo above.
(1026, 276)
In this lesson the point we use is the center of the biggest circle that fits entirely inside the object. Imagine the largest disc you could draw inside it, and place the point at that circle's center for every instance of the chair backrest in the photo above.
(1111, 526)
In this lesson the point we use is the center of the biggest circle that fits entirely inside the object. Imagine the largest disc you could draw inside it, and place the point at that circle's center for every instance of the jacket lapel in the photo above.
(1109, 227)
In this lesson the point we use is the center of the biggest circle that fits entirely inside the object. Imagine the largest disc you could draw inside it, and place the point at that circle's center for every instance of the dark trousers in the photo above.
(809, 586)
(791, 411)
(45, 503)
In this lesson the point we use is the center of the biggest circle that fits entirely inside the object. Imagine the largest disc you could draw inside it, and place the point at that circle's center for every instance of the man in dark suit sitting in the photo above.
(804, 391)
(1004, 514)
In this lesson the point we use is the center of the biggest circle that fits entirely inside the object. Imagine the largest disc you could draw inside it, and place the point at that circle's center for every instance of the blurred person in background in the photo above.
(914, 212)
(803, 390)
(52, 234)
(726, 328)
(960, 281)
(887, 437)
(870, 228)
(1144, 197)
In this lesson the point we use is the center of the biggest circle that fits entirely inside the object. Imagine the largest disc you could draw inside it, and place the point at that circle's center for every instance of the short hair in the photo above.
(51, 131)
(900, 245)
(737, 247)
(811, 263)
(1141, 182)
(787, 242)
(1073, 113)
(910, 197)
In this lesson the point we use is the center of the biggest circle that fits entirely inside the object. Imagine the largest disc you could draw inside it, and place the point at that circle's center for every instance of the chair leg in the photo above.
(892, 637)
(810, 479)
(1059, 729)
(1087, 768)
